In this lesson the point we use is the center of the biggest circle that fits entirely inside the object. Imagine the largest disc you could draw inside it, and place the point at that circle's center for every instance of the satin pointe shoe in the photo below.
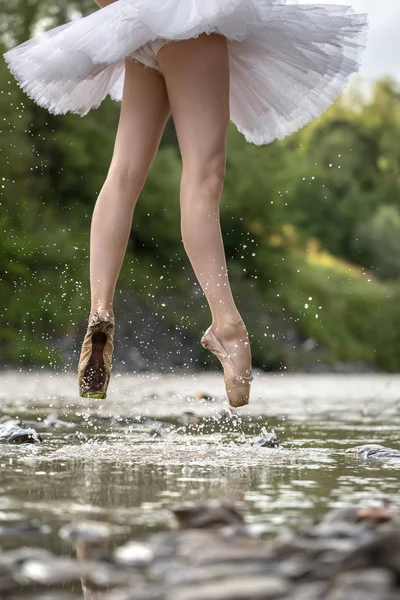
(237, 385)
(95, 361)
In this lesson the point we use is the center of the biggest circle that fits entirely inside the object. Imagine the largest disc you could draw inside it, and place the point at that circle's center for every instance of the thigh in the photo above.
(144, 112)
(196, 73)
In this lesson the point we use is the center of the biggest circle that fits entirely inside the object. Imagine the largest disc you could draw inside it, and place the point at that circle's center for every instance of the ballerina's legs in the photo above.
(192, 83)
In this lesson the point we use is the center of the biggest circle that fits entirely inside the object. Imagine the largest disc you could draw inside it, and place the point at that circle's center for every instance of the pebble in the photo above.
(352, 553)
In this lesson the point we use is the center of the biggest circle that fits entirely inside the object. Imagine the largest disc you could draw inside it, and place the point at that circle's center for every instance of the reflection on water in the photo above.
(129, 474)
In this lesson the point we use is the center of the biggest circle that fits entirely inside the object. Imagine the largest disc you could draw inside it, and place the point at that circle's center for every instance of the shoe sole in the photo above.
(96, 395)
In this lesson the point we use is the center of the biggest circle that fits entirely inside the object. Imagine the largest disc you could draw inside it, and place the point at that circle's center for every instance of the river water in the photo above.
(130, 473)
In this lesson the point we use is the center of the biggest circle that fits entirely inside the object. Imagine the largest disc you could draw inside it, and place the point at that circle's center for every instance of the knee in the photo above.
(127, 176)
(205, 180)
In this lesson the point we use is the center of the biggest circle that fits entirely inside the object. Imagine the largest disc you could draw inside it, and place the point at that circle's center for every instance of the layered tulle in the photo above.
(288, 62)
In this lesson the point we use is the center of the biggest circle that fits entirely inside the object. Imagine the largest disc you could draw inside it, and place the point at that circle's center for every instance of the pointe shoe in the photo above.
(237, 386)
(94, 367)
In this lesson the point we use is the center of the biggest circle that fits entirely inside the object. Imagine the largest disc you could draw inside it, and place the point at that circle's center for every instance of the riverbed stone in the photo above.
(88, 531)
(134, 554)
(24, 529)
(372, 584)
(257, 587)
(53, 571)
(213, 513)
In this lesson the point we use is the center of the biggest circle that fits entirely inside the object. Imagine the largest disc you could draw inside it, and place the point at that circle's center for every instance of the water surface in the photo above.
(129, 474)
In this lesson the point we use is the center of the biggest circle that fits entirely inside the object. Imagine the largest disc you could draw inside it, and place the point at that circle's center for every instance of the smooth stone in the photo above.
(20, 529)
(362, 585)
(382, 551)
(257, 587)
(341, 530)
(53, 572)
(134, 554)
(212, 513)
(294, 567)
(85, 531)
(310, 591)
(18, 556)
(348, 514)
(190, 575)
(231, 554)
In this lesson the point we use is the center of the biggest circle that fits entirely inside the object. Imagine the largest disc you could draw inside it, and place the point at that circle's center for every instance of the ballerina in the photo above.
(268, 66)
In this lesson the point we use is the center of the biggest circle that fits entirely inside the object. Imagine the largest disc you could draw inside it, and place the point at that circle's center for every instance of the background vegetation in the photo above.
(311, 226)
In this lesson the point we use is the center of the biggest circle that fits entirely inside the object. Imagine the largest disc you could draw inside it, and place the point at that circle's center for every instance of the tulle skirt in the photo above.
(288, 62)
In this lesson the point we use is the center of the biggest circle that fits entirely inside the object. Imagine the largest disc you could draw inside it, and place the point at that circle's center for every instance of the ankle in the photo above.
(102, 310)
(230, 329)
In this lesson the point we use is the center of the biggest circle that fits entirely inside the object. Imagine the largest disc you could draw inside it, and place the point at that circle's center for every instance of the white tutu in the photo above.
(288, 62)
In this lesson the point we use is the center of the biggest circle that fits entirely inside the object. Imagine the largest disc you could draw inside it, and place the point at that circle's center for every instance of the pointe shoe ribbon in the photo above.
(97, 324)
(237, 385)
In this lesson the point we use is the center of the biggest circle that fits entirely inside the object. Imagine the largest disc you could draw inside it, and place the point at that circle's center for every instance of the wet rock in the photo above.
(12, 433)
(381, 551)
(89, 538)
(85, 531)
(23, 529)
(8, 582)
(254, 587)
(295, 567)
(134, 554)
(54, 571)
(373, 584)
(347, 514)
(375, 451)
(310, 591)
(266, 441)
(20, 555)
(207, 514)
(60, 571)
(350, 554)
(150, 592)
(232, 554)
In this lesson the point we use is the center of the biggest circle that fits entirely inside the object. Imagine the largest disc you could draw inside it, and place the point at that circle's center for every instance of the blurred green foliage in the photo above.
(311, 225)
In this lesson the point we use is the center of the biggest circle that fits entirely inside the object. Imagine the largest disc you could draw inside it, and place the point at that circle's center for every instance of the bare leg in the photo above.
(144, 112)
(196, 73)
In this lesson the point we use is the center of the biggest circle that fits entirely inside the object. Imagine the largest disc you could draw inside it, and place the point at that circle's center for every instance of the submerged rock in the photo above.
(375, 451)
(266, 441)
(12, 433)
